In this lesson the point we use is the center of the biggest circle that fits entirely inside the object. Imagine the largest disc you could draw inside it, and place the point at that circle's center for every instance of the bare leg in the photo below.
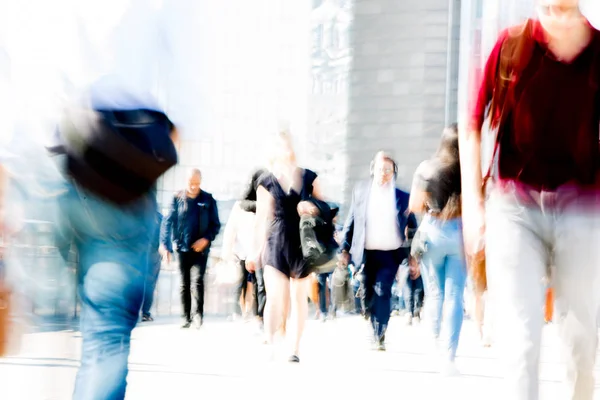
(249, 299)
(278, 287)
(299, 311)
(286, 313)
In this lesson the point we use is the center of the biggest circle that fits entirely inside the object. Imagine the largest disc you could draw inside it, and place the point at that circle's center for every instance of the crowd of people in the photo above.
(529, 223)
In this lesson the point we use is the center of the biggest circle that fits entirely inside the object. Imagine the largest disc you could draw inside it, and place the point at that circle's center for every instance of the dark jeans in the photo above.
(379, 275)
(414, 295)
(259, 292)
(188, 260)
(149, 289)
(242, 286)
(357, 296)
(323, 287)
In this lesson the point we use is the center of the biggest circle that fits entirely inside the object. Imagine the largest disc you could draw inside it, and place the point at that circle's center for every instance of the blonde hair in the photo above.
(283, 137)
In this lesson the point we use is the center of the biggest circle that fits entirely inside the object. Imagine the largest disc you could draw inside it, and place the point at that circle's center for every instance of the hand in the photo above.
(345, 258)
(200, 245)
(307, 208)
(474, 228)
(165, 254)
(250, 266)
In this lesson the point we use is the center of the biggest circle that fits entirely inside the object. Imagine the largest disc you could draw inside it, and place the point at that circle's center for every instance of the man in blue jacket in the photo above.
(192, 225)
(376, 234)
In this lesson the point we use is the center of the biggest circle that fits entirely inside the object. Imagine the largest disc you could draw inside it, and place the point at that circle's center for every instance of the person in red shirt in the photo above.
(540, 93)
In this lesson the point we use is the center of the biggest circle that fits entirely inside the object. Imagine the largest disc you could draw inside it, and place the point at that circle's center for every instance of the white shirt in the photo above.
(238, 237)
(382, 219)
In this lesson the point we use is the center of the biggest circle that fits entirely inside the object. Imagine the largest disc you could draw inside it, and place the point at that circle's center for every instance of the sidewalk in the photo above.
(226, 360)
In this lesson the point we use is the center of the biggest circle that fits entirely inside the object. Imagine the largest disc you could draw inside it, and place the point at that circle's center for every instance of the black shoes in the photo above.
(186, 325)
(147, 318)
(294, 359)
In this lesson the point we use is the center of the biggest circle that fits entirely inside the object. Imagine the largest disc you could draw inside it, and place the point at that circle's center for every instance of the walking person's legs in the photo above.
(517, 256)
(201, 259)
(150, 288)
(112, 243)
(260, 293)
(240, 292)
(185, 270)
(299, 313)
(323, 280)
(278, 287)
(454, 289)
(387, 262)
(577, 261)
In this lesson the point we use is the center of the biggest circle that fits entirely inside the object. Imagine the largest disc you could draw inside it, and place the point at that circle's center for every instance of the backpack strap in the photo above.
(514, 57)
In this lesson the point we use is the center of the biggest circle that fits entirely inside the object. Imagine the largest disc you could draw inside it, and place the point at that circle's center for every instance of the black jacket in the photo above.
(190, 220)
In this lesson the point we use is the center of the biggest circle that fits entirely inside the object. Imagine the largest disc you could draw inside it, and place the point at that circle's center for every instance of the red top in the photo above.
(552, 130)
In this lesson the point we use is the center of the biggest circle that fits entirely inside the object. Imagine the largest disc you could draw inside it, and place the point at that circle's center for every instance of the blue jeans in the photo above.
(112, 244)
(151, 279)
(444, 275)
(323, 288)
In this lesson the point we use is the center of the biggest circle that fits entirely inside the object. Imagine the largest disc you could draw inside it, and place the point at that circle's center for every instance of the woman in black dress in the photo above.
(280, 202)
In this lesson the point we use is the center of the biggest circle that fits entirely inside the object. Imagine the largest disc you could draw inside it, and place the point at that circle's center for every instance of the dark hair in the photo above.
(248, 200)
(250, 192)
(445, 185)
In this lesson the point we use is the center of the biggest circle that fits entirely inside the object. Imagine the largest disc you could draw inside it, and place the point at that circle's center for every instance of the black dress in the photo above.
(283, 250)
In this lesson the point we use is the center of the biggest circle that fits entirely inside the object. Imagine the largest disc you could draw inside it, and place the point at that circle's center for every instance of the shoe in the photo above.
(186, 325)
(449, 370)
(147, 318)
(198, 321)
(381, 344)
(409, 320)
(294, 359)
(323, 318)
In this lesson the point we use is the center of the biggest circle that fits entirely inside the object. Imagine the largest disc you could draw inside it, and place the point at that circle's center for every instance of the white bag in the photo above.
(227, 272)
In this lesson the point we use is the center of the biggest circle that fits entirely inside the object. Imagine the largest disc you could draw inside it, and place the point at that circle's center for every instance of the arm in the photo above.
(348, 232)
(470, 153)
(169, 226)
(230, 233)
(417, 202)
(264, 215)
(317, 192)
(214, 226)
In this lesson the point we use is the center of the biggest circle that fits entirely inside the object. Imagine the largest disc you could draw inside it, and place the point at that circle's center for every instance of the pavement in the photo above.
(227, 360)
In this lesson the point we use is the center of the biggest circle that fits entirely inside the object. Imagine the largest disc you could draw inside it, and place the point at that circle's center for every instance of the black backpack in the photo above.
(117, 155)
(317, 233)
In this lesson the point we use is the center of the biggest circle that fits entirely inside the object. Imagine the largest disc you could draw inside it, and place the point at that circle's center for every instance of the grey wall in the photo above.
(403, 87)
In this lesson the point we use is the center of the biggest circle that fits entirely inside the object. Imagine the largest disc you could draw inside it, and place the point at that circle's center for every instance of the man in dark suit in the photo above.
(192, 224)
(376, 234)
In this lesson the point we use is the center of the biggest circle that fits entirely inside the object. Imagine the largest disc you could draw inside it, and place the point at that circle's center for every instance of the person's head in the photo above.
(560, 18)
(448, 149)
(283, 153)
(250, 193)
(194, 181)
(383, 168)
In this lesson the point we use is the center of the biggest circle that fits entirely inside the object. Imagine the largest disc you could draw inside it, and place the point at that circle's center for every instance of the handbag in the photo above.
(117, 155)
(227, 272)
